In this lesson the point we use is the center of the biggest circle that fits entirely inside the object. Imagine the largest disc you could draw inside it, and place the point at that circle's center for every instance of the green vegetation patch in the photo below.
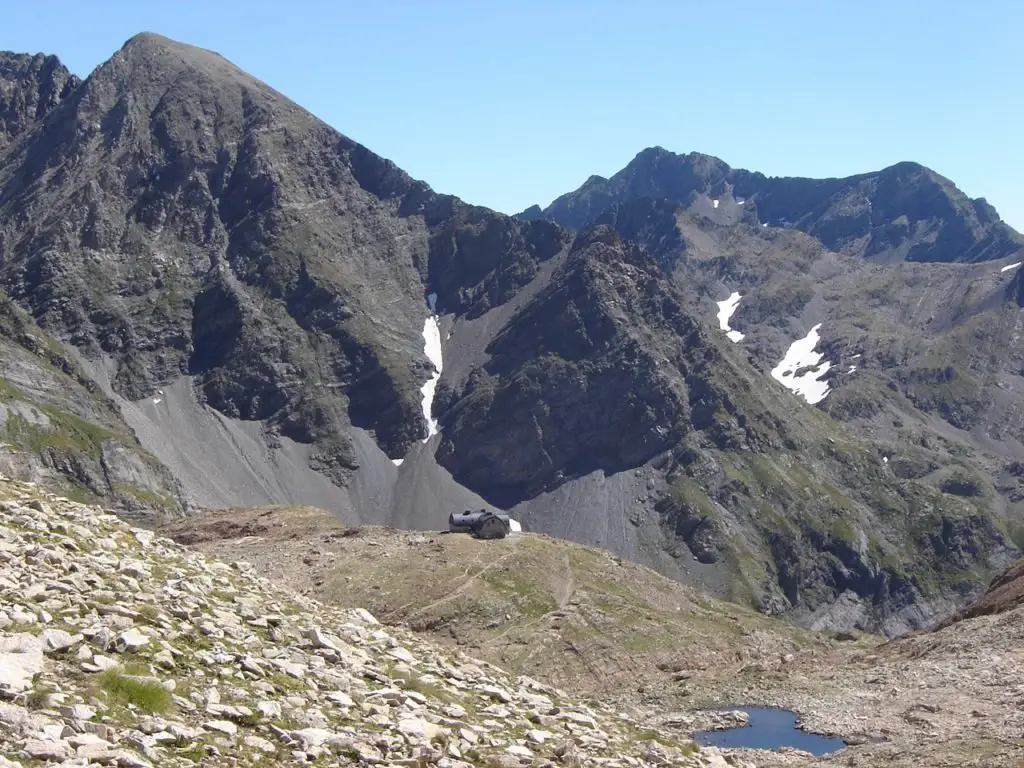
(65, 432)
(126, 690)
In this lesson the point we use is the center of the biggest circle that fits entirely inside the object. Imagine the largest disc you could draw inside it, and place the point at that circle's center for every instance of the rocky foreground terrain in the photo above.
(119, 647)
(594, 625)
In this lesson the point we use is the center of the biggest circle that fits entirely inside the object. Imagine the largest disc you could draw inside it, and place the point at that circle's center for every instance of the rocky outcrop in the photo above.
(1005, 593)
(119, 647)
(30, 88)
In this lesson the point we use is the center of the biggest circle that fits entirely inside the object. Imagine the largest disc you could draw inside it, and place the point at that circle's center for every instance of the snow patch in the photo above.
(432, 349)
(802, 357)
(397, 462)
(1008, 267)
(740, 200)
(715, 203)
(726, 309)
(854, 357)
(514, 526)
(852, 369)
(765, 224)
(157, 400)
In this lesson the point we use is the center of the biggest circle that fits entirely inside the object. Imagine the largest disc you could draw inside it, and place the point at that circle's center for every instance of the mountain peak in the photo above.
(154, 42)
(152, 58)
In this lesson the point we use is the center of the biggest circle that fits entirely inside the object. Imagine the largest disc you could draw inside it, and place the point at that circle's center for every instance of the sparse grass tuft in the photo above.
(124, 689)
(286, 682)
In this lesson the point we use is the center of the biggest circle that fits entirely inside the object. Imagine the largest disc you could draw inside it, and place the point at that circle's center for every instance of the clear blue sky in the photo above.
(512, 103)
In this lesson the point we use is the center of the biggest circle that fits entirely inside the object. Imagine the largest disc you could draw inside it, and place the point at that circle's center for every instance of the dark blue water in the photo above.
(769, 729)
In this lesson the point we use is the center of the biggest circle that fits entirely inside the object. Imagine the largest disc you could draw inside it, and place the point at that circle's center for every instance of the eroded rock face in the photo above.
(570, 387)
(217, 662)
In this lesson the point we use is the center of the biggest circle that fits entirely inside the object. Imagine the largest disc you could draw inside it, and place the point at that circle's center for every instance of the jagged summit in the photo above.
(31, 86)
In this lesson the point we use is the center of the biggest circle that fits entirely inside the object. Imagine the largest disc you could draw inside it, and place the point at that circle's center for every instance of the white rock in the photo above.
(402, 654)
(364, 616)
(103, 663)
(367, 753)
(54, 731)
(496, 693)
(100, 753)
(538, 737)
(79, 712)
(314, 738)
(270, 709)
(128, 760)
(13, 718)
(45, 749)
(416, 727)
(321, 639)
(55, 640)
(221, 726)
(130, 640)
(341, 698)
(21, 658)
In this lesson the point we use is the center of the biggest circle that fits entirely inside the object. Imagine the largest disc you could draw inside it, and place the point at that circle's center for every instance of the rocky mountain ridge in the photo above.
(250, 290)
(903, 212)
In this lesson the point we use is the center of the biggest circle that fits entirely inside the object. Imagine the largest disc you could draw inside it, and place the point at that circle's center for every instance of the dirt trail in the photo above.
(565, 588)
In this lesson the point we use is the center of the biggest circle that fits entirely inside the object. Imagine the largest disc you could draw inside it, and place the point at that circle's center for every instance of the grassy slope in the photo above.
(56, 420)
(574, 616)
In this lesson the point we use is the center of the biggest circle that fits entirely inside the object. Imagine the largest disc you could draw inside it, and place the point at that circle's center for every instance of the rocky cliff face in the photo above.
(577, 381)
(1005, 593)
(240, 287)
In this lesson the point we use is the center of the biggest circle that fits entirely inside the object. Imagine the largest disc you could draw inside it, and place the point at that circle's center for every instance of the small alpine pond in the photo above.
(769, 728)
